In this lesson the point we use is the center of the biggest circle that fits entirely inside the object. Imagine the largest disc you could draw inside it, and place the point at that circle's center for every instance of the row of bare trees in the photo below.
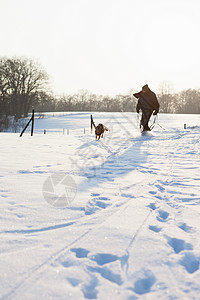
(187, 101)
(24, 85)
(86, 101)
(21, 83)
(184, 102)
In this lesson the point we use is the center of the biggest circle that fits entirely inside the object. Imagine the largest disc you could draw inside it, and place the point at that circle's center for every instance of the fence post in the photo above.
(91, 122)
(184, 126)
(32, 127)
(31, 119)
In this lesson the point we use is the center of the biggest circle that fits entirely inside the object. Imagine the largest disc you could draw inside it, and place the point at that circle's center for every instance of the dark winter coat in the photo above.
(147, 100)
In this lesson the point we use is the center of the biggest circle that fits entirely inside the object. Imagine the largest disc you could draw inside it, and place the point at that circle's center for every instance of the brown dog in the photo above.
(99, 129)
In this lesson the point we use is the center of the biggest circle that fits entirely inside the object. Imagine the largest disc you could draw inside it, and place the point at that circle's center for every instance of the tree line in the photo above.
(24, 85)
(187, 101)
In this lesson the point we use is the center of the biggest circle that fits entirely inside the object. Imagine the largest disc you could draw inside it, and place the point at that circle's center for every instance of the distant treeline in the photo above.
(24, 85)
(184, 102)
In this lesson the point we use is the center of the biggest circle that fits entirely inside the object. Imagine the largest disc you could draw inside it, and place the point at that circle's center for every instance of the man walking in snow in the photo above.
(148, 103)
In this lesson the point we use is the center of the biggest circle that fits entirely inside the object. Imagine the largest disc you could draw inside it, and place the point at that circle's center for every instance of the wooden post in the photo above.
(67, 131)
(184, 126)
(32, 126)
(31, 119)
(91, 122)
(45, 131)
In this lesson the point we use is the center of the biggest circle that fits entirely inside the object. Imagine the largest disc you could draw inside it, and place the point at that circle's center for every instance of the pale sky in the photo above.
(106, 46)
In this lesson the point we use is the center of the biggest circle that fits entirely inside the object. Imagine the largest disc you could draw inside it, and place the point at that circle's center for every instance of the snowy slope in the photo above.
(132, 230)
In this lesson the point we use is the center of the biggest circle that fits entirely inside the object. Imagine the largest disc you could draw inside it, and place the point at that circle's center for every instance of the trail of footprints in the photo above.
(188, 260)
(92, 265)
(100, 265)
(96, 203)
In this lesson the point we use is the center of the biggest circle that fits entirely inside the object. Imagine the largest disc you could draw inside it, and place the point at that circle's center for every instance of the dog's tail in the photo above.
(92, 123)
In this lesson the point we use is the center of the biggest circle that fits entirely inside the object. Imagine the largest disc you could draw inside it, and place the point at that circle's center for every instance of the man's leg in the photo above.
(148, 116)
(144, 121)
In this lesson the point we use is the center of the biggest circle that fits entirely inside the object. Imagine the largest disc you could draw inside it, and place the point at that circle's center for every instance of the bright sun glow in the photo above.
(107, 46)
(172, 44)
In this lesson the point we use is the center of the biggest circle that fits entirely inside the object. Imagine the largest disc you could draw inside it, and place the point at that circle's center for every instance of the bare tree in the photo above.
(165, 97)
(21, 80)
(189, 101)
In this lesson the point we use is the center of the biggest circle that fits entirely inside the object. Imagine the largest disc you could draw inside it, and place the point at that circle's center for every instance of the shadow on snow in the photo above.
(115, 166)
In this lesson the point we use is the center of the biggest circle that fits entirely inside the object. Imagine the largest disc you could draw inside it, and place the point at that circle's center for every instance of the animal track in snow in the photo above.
(104, 198)
(185, 227)
(96, 204)
(95, 195)
(143, 285)
(107, 274)
(100, 259)
(127, 195)
(101, 204)
(190, 262)
(179, 245)
(73, 281)
(152, 206)
(160, 188)
(68, 263)
(162, 215)
(104, 258)
(155, 228)
(152, 192)
(89, 290)
(80, 252)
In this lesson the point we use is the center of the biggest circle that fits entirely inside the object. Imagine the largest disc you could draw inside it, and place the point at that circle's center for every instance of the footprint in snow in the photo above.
(155, 228)
(152, 206)
(80, 252)
(185, 227)
(144, 285)
(96, 204)
(101, 204)
(106, 273)
(162, 215)
(127, 195)
(190, 262)
(95, 195)
(89, 290)
(179, 245)
(99, 258)
(104, 258)
(3, 196)
(160, 187)
(152, 192)
(104, 198)
(70, 262)
(73, 281)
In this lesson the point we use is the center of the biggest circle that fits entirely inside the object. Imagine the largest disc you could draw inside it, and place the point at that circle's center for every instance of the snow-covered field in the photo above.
(132, 224)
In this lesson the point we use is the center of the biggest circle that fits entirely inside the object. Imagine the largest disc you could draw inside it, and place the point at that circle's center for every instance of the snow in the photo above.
(128, 229)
